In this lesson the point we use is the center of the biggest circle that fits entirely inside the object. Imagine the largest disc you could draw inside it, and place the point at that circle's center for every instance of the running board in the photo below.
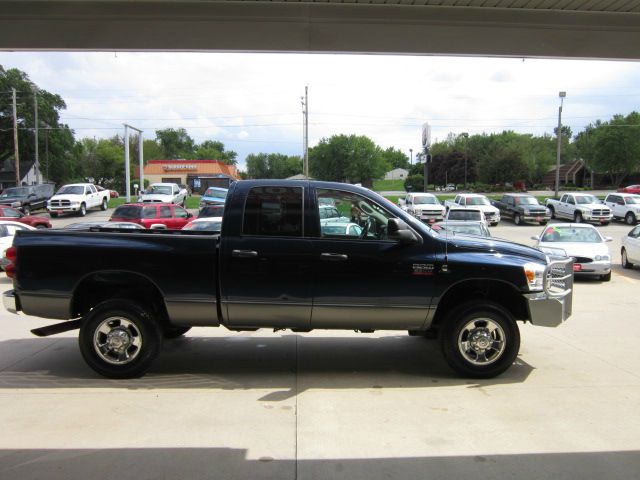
(57, 328)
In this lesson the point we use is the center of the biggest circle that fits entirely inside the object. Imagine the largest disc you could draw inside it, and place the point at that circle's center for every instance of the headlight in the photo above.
(602, 258)
(16, 204)
(534, 272)
(556, 252)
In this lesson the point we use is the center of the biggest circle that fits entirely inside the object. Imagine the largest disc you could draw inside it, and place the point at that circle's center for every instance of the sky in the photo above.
(252, 102)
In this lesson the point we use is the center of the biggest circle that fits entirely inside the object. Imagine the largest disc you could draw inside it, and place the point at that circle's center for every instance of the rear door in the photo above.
(266, 264)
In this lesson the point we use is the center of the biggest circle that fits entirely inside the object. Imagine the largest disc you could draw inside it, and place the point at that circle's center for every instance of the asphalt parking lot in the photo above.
(333, 405)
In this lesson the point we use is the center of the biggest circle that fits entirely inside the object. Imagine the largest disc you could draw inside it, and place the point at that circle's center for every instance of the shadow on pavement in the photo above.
(228, 463)
(243, 362)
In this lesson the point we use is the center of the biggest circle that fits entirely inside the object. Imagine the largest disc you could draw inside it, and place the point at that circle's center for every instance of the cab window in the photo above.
(273, 211)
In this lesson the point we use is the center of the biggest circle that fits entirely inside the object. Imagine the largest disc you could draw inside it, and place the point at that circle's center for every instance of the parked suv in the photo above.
(27, 198)
(172, 216)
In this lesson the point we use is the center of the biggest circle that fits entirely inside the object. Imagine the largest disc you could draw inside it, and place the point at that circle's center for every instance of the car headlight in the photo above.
(556, 252)
(602, 258)
(534, 273)
(16, 204)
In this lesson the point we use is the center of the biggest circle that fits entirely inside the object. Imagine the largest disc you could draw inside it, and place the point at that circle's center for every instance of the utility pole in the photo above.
(559, 133)
(305, 139)
(16, 150)
(35, 112)
(127, 174)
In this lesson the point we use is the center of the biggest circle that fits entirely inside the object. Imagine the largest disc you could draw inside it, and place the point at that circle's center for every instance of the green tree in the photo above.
(395, 158)
(102, 160)
(347, 158)
(175, 143)
(272, 165)
(214, 150)
(55, 140)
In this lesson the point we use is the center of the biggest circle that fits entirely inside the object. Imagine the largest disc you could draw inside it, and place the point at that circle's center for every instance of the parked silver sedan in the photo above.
(581, 241)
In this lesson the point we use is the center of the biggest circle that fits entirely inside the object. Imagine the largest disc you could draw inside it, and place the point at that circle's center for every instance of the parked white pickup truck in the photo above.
(579, 207)
(165, 193)
(423, 206)
(624, 206)
(475, 201)
(77, 198)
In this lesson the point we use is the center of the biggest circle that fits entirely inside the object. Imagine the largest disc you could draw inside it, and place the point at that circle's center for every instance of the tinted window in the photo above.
(180, 212)
(165, 211)
(273, 211)
(127, 211)
(149, 212)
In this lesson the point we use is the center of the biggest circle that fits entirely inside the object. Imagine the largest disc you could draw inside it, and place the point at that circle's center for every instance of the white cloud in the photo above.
(251, 102)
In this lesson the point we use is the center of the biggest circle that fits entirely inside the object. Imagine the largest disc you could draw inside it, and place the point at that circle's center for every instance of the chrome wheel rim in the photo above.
(482, 341)
(117, 341)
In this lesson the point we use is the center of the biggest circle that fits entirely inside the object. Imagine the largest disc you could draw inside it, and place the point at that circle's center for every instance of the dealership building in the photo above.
(198, 174)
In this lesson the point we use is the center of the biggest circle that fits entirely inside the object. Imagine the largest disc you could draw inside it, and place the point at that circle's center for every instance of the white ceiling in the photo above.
(605, 29)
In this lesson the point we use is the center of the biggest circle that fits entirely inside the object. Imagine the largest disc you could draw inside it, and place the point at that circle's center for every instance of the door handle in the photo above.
(244, 253)
(333, 257)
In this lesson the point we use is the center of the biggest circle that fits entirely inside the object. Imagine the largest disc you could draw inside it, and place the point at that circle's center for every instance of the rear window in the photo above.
(127, 211)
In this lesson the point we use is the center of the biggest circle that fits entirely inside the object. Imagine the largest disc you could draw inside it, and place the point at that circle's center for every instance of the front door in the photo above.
(362, 279)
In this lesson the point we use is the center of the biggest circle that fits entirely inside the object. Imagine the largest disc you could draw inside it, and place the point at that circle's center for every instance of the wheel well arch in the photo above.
(100, 286)
(497, 291)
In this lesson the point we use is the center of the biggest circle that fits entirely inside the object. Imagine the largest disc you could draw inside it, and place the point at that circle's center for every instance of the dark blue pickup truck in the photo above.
(363, 265)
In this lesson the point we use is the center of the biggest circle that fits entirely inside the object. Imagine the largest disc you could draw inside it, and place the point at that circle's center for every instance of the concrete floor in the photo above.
(334, 405)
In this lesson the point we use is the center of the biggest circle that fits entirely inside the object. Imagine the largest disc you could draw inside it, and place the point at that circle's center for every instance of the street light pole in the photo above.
(559, 135)
(411, 153)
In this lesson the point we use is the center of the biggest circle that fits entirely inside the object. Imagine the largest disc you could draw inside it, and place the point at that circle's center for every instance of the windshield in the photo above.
(477, 201)
(71, 190)
(586, 199)
(15, 192)
(526, 201)
(210, 226)
(159, 190)
(464, 229)
(425, 201)
(556, 234)
(216, 192)
(464, 215)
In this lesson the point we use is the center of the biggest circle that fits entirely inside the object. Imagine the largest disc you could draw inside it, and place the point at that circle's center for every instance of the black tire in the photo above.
(175, 332)
(489, 322)
(517, 219)
(577, 217)
(103, 206)
(543, 223)
(606, 278)
(41, 226)
(630, 218)
(53, 214)
(553, 212)
(83, 210)
(625, 260)
(125, 322)
(26, 209)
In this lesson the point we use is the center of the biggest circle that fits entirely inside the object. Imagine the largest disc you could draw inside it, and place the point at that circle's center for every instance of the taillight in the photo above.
(12, 255)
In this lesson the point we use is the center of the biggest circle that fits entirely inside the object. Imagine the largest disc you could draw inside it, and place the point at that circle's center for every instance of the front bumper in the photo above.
(552, 306)
(592, 268)
(535, 218)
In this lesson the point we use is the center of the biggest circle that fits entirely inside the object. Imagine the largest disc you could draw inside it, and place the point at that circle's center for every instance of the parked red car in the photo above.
(630, 189)
(173, 217)
(8, 213)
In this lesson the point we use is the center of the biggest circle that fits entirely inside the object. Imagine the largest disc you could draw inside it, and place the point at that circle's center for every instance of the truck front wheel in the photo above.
(119, 339)
(480, 339)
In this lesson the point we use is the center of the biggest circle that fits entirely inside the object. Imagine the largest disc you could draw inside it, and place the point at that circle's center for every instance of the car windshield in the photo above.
(526, 201)
(571, 235)
(464, 215)
(15, 192)
(586, 199)
(209, 226)
(71, 190)
(216, 192)
(127, 211)
(425, 201)
(159, 190)
(464, 229)
(477, 201)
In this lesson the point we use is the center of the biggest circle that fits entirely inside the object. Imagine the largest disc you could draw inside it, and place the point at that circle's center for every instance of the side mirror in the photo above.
(608, 239)
(398, 230)
(535, 237)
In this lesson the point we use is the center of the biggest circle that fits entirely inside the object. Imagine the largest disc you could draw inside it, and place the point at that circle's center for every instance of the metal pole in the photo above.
(411, 153)
(140, 159)
(306, 131)
(559, 135)
(16, 149)
(127, 175)
(35, 108)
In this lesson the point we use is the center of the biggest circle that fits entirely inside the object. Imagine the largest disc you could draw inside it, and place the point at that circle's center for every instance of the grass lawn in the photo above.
(192, 202)
(382, 185)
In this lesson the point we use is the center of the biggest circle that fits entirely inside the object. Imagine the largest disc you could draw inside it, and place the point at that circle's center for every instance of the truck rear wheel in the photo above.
(480, 339)
(119, 339)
